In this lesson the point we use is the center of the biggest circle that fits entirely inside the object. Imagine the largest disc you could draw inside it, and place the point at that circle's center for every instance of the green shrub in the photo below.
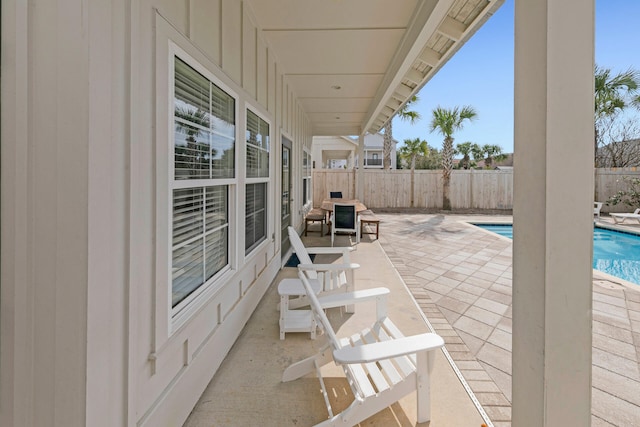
(630, 196)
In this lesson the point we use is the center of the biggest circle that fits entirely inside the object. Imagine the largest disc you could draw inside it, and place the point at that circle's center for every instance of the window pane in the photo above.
(200, 237)
(187, 214)
(216, 249)
(192, 154)
(191, 89)
(223, 161)
(257, 136)
(187, 270)
(256, 215)
(217, 211)
(204, 134)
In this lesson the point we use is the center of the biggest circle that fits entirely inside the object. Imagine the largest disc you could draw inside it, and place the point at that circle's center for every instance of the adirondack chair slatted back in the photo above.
(366, 380)
(300, 250)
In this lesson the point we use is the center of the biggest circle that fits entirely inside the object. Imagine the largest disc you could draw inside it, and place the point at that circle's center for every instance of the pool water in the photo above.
(615, 253)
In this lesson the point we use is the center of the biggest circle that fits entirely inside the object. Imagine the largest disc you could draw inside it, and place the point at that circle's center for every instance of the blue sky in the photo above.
(481, 74)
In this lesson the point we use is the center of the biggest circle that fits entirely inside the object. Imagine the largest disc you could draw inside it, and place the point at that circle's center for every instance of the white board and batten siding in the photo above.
(99, 212)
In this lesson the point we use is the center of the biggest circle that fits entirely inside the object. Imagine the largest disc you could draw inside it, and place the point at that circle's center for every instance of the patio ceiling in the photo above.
(354, 63)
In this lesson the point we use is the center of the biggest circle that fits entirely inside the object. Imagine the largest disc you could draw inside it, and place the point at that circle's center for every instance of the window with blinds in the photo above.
(257, 146)
(204, 159)
(256, 215)
(204, 143)
(306, 178)
(257, 135)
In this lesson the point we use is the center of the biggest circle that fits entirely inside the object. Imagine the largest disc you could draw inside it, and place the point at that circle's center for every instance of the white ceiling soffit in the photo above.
(354, 63)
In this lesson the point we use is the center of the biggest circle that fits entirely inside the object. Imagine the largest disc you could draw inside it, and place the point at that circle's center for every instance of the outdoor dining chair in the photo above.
(345, 219)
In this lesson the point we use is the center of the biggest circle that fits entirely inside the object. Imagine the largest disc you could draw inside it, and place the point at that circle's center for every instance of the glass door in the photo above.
(286, 194)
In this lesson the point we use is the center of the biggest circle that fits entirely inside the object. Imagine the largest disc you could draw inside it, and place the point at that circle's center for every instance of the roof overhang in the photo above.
(354, 63)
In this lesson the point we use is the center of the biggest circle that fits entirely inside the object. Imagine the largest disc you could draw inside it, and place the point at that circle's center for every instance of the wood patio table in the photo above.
(327, 204)
(327, 207)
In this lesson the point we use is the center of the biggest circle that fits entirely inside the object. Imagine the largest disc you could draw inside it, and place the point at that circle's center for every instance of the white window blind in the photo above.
(257, 146)
(204, 149)
(256, 215)
(204, 140)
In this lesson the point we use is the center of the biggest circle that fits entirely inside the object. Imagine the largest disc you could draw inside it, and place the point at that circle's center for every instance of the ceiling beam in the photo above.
(414, 76)
(430, 57)
(404, 91)
(451, 28)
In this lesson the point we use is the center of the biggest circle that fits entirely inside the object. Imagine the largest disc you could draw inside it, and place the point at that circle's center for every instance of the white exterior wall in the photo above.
(323, 144)
(85, 336)
(376, 142)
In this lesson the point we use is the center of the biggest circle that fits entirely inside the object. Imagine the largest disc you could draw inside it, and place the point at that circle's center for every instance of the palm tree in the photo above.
(410, 151)
(477, 153)
(466, 149)
(612, 94)
(492, 152)
(447, 121)
(404, 114)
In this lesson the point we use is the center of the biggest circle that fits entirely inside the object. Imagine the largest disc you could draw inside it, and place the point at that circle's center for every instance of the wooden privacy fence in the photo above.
(470, 189)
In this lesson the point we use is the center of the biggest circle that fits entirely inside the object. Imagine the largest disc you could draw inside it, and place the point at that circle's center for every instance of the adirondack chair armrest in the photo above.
(368, 353)
(344, 298)
(323, 250)
(328, 267)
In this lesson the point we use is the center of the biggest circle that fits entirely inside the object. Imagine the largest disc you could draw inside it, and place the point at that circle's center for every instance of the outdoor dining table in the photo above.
(327, 207)
(327, 204)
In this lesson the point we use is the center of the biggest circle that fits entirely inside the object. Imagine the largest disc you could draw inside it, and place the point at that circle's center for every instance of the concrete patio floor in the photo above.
(460, 277)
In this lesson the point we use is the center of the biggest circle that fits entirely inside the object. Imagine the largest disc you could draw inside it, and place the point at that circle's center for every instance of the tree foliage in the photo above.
(466, 150)
(630, 196)
(412, 149)
(404, 114)
(447, 121)
(492, 152)
(623, 147)
(613, 94)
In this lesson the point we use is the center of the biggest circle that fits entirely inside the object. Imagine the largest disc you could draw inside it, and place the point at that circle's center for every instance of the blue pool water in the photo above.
(615, 253)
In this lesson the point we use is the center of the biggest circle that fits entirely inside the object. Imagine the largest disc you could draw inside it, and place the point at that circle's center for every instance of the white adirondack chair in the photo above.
(381, 365)
(333, 277)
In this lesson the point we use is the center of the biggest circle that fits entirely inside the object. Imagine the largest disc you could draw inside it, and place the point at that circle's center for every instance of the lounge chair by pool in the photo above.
(621, 217)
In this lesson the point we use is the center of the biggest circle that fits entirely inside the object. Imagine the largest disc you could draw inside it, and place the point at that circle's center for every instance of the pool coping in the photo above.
(597, 274)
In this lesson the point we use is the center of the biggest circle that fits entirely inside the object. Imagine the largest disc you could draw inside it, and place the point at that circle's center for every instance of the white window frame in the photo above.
(307, 179)
(184, 310)
(258, 180)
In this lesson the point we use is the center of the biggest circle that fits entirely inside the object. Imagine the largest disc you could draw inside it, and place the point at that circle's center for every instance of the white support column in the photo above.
(360, 170)
(553, 224)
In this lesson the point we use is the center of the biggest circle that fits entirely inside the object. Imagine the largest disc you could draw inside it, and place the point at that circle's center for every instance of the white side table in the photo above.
(296, 320)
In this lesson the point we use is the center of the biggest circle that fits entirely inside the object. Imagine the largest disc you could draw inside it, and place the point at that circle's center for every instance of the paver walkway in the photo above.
(461, 277)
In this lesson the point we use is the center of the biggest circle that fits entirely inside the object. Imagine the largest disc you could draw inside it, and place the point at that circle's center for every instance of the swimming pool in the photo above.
(614, 252)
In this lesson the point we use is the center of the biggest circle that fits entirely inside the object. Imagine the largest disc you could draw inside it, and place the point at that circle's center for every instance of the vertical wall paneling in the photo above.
(232, 39)
(272, 83)
(205, 27)
(249, 55)
(262, 73)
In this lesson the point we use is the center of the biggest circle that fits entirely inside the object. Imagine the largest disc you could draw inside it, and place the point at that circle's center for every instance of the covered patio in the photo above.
(457, 276)
(154, 153)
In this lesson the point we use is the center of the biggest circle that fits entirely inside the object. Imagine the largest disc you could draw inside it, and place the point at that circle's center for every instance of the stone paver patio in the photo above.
(461, 277)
